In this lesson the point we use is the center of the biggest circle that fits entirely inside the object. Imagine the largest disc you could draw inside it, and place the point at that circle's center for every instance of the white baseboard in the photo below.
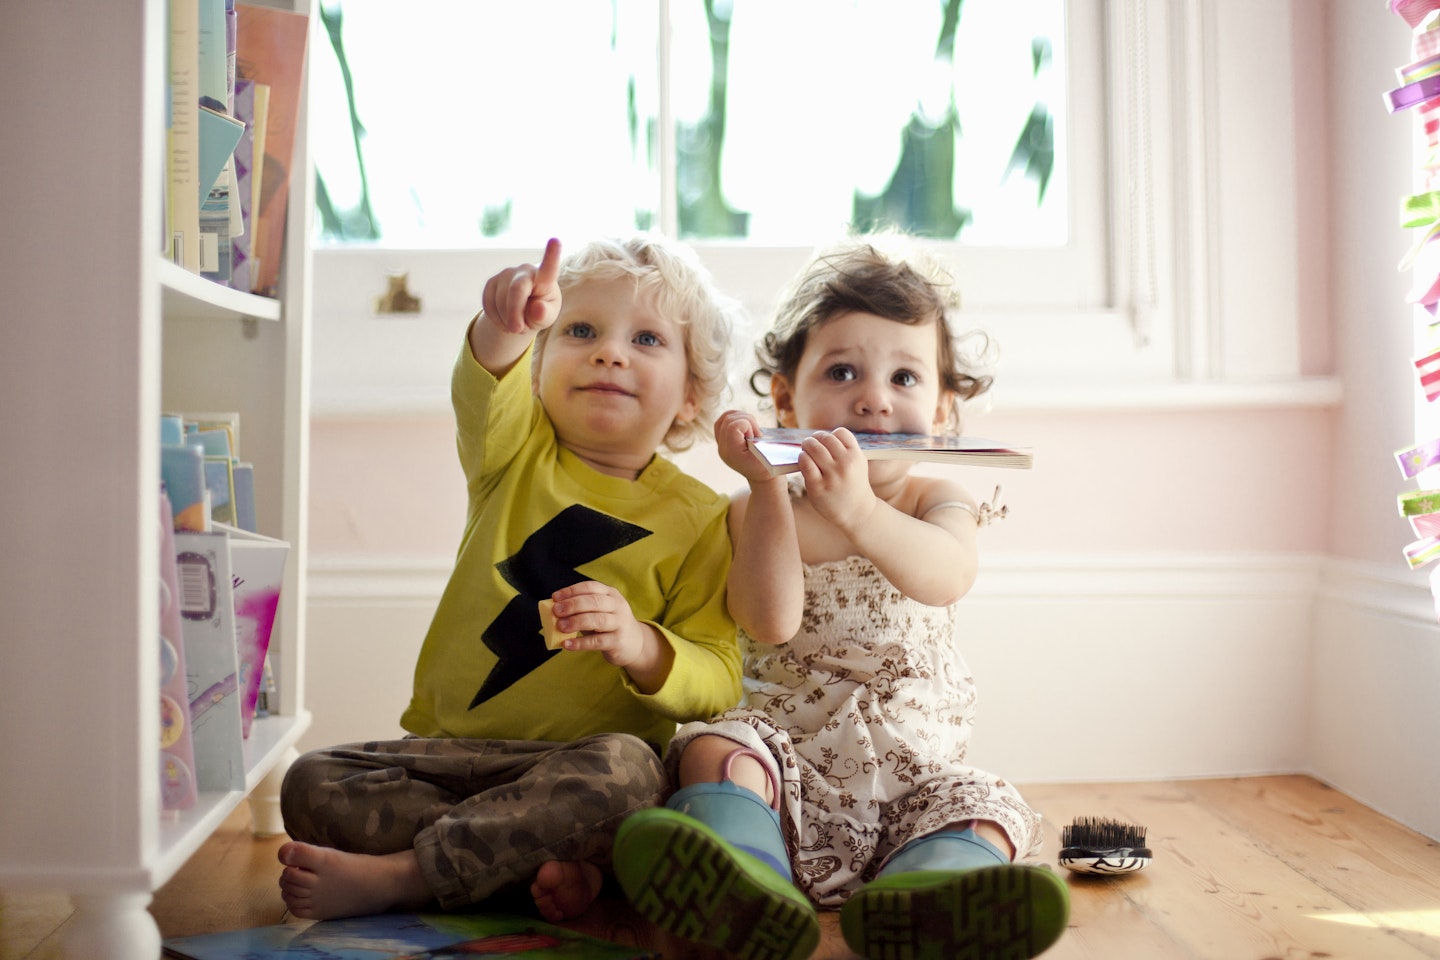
(385, 579)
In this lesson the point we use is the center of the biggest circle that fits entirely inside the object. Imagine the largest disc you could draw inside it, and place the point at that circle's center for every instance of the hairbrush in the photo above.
(1104, 846)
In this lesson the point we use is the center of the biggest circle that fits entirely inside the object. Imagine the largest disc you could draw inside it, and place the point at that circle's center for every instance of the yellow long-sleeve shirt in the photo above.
(540, 519)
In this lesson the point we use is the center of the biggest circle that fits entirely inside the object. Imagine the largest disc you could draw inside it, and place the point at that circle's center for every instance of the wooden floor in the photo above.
(1244, 869)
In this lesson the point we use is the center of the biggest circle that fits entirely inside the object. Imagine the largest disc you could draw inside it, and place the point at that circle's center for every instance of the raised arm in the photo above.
(767, 584)
(518, 303)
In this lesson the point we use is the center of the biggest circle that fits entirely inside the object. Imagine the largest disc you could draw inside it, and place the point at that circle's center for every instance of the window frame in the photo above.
(1172, 159)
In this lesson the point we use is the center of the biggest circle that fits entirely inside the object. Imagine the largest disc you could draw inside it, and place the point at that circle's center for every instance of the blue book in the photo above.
(182, 468)
(243, 475)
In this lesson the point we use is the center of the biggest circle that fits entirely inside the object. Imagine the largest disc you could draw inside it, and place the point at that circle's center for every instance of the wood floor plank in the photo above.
(233, 875)
(1387, 874)
(1218, 893)
(1105, 923)
(29, 923)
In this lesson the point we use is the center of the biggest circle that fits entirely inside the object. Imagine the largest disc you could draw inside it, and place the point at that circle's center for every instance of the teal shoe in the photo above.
(991, 913)
(684, 877)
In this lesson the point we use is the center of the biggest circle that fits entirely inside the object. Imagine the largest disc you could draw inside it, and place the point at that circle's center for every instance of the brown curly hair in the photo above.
(884, 275)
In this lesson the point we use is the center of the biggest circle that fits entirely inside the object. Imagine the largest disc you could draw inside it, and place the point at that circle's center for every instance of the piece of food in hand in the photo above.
(554, 639)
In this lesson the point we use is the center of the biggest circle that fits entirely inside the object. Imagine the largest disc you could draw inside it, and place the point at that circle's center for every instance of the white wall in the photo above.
(1375, 644)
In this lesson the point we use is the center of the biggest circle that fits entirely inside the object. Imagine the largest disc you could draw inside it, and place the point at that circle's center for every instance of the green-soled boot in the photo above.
(918, 909)
(685, 877)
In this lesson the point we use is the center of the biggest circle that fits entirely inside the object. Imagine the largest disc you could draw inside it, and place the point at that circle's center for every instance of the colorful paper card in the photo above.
(1418, 458)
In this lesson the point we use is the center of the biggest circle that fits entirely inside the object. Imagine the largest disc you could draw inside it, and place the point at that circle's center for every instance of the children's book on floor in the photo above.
(403, 936)
(779, 449)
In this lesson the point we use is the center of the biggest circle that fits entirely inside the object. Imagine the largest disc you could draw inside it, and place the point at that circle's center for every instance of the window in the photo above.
(1027, 140)
(787, 120)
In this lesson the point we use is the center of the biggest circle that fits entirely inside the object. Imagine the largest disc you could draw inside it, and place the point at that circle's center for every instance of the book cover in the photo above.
(257, 576)
(779, 449)
(270, 49)
(219, 209)
(172, 429)
(211, 56)
(182, 166)
(177, 751)
(250, 107)
(212, 670)
(403, 936)
(243, 475)
(219, 135)
(219, 463)
(228, 420)
(182, 468)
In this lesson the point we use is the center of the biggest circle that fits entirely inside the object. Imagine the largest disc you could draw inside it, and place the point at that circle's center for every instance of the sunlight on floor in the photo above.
(1411, 921)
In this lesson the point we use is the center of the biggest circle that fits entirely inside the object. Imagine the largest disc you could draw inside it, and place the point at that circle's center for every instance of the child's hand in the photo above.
(732, 429)
(837, 478)
(606, 623)
(525, 299)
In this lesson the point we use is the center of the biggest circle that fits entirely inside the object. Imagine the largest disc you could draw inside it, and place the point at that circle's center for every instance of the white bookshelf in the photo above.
(101, 334)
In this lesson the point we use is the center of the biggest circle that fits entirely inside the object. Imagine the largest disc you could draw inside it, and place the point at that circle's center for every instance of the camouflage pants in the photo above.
(481, 815)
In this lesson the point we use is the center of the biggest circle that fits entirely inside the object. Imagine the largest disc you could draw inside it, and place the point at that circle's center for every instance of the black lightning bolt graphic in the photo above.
(545, 563)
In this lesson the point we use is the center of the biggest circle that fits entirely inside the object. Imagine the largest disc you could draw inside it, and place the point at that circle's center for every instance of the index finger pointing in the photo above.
(548, 272)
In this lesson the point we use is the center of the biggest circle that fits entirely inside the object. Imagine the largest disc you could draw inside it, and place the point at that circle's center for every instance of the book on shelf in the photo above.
(251, 100)
(177, 751)
(237, 224)
(270, 49)
(182, 468)
(242, 474)
(257, 572)
(778, 448)
(182, 165)
(219, 136)
(219, 460)
(219, 133)
(218, 436)
(212, 670)
(227, 420)
(403, 936)
(205, 478)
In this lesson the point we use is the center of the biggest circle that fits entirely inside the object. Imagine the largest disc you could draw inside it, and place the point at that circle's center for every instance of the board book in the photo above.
(207, 625)
(411, 936)
(257, 573)
(779, 449)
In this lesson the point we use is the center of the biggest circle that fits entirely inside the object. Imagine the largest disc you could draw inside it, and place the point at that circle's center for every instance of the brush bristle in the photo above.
(1102, 833)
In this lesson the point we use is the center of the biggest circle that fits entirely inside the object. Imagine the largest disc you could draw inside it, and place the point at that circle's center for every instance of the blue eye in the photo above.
(580, 331)
(648, 339)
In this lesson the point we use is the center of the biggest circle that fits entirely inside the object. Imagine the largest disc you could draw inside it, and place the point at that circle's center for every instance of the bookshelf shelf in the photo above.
(187, 295)
(106, 339)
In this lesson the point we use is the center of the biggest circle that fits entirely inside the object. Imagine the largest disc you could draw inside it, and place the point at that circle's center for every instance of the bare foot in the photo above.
(564, 889)
(320, 883)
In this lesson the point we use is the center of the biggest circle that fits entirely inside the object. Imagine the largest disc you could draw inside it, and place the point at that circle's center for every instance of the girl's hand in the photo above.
(525, 299)
(837, 478)
(732, 429)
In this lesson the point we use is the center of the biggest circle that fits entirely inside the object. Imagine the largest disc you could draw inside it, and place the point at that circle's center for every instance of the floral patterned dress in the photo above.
(867, 712)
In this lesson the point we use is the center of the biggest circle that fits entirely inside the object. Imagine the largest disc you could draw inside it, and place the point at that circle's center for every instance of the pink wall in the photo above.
(1103, 483)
